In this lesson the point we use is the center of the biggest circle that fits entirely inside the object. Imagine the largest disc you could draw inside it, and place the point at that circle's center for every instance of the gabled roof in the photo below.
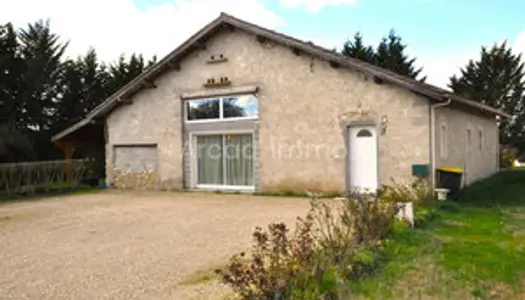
(171, 61)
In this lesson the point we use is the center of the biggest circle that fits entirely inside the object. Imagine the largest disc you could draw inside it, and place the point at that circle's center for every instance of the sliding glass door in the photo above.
(209, 159)
(225, 160)
(239, 160)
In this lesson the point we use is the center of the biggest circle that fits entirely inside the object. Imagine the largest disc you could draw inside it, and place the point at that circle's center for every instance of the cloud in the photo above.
(328, 42)
(439, 67)
(519, 44)
(119, 26)
(315, 5)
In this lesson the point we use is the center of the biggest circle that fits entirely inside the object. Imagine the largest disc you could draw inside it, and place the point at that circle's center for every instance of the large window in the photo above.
(204, 109)
(469, 140)
(225, 160)
(213, 109)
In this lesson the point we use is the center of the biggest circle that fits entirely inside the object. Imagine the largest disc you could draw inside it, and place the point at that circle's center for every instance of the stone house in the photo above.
(241, 107)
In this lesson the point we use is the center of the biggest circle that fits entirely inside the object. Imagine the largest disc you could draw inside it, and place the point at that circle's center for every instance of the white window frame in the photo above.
(221, 112)
(194, 168)
(443, 140)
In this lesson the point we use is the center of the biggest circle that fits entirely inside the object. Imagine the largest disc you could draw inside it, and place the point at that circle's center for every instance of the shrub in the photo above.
(333, 229)
(418, 191)
(324, 285)
(424, 215)
(276, 260)
(314, 262)
(372, 218)
(507, 157)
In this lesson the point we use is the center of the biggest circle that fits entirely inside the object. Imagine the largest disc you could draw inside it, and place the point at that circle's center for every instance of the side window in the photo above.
(468, 144)
(443, 138)
(481, 139)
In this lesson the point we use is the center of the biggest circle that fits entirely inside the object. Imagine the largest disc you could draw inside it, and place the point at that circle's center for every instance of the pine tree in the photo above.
(83, 84)
(124, 71)
(14, 143)
(96, 77)
(11, 66)
(357, 49)
(86, 82)
(70, 108)
(42, 53)
(42, 93)
(389, 54)
(497, 79)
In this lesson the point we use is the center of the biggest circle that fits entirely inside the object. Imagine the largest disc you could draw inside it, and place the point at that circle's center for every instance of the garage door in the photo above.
(135, 166)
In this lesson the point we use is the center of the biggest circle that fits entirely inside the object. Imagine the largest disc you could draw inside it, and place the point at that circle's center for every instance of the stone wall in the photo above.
(304, 103)
(134, 180)
(480, 160)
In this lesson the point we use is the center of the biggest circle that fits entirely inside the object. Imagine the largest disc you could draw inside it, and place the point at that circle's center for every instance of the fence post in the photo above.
(67, 148)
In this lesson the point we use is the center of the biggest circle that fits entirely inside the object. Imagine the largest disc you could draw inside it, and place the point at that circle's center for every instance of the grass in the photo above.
(293, 194)
(470, 249)
(200, 277)
(54, 190)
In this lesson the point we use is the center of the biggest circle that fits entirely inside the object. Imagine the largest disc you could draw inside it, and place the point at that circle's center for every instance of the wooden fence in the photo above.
(31, 177)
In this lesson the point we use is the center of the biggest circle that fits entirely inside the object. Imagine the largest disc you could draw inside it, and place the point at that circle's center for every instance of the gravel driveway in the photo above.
(126, 245)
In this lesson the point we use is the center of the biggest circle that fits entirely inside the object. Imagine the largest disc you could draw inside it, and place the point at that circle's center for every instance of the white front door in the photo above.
(363, 158)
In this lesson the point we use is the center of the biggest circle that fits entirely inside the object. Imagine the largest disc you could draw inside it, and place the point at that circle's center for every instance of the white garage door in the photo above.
(136, 158)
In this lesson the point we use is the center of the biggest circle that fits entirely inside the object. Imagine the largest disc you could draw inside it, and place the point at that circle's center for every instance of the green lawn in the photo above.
(470, 249)
(55, 189)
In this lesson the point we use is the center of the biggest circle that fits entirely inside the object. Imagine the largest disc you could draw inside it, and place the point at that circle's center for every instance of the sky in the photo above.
(442, 34)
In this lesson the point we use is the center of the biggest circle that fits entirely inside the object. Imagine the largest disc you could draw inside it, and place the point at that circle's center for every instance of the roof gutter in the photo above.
(433, 137)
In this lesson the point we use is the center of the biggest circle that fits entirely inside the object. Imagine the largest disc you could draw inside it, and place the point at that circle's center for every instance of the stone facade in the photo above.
(480, 159)
(305, 107)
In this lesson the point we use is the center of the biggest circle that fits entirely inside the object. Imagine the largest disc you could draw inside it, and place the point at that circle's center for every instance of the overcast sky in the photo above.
(443, 34)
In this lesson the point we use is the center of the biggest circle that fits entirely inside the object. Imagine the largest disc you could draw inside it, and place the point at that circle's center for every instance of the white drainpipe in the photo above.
(433, 137)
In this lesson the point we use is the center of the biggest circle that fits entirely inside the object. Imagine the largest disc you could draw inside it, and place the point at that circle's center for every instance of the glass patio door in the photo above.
(225, 160)
(209, 159)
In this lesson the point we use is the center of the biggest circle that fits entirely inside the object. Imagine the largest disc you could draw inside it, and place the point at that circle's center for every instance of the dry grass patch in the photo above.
(200, 277)
(210, 290)
(427, 280)
(500, 290)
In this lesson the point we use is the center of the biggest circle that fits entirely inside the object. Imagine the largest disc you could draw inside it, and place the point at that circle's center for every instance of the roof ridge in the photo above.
(319, 47)
(428, 90)
(362, 64)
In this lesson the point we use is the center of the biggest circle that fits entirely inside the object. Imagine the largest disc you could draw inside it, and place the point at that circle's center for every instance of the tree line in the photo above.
(43, 92)
(496, 78)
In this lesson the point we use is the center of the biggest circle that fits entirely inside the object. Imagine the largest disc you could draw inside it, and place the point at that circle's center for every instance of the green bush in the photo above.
(328, 285)
(372, 218)
(424, 215)
(277, 261)
(327, 249)
(507, 157)
(418, 191)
